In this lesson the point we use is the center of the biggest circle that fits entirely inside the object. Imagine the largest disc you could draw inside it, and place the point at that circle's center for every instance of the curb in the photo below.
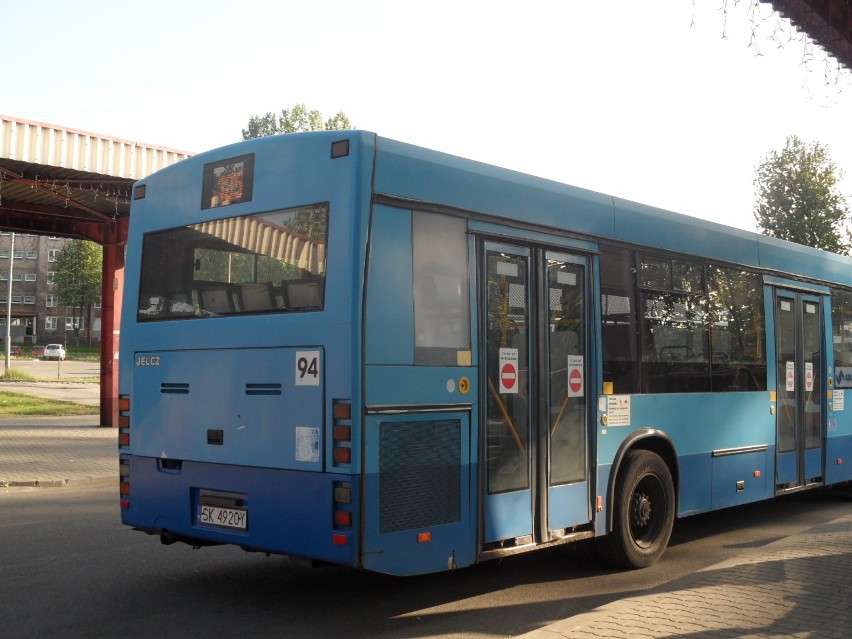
(76, 482)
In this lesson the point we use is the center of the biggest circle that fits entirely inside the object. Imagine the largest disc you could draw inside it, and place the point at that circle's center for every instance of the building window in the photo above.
(16, 299)
(32, 255)
(19, 255)
(53, 254)
(29, 299)
(52, 301)
(30, 277)
(50, 323)
(71, 321)
(4, 254)
(51, 276)
(17, 277)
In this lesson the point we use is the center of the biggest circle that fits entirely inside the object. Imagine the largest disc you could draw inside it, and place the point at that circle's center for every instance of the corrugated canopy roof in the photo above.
(53, 178)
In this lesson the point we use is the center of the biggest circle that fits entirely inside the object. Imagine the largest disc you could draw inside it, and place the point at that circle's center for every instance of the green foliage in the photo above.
(78, 278)
(797, 197)
(18, 375)
(294, 120)
(20, 404)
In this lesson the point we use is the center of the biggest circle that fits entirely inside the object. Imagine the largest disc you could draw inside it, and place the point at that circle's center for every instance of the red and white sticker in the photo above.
(508, 370)
(575, 376)
(790, 385)
(809, 377)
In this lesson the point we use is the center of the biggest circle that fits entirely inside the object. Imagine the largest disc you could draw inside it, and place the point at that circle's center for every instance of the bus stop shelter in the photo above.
(62, 182)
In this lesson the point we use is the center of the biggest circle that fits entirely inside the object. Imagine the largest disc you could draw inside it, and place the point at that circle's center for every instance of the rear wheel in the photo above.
(644, 512)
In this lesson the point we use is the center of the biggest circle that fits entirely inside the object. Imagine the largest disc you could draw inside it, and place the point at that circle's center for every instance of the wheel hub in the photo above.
(641, 509)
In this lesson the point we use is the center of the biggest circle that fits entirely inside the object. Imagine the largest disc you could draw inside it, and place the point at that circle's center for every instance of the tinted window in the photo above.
(272, 262)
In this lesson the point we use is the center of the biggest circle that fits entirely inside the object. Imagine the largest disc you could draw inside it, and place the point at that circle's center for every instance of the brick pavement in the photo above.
(795, 587)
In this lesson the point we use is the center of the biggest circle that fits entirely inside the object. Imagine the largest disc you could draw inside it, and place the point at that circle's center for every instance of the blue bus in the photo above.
(346, 349)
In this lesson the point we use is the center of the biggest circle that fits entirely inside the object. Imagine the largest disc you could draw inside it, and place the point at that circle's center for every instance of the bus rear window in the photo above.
(267, 263)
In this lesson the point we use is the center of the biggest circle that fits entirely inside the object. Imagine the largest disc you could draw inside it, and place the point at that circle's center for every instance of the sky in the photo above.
(670, 103)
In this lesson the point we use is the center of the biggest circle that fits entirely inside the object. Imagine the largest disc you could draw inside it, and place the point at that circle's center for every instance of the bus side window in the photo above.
(441, 290)
(618, 317)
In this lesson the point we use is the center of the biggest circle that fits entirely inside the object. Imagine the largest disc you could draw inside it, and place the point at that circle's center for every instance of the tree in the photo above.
(78, 277)
(294, 120)
(797, 197)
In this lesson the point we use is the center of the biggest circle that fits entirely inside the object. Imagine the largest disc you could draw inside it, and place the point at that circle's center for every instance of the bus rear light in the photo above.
(343, 493)
(342, 410)
(342, 498)
(123, 421)
(124, 481)
(341, 431)
(423, 537)
(339, 540)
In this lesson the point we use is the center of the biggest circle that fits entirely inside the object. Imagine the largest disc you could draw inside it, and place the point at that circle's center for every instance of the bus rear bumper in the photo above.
(259, 509)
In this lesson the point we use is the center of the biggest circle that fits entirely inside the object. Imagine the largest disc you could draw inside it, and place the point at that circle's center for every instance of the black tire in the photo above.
(643, 514)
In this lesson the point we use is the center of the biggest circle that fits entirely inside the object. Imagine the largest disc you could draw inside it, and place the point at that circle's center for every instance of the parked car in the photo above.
(37, 351)
(53, 351)
(16, 351)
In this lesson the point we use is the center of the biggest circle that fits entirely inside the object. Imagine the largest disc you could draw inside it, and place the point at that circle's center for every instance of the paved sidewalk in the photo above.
(796, 587)
(57, 451)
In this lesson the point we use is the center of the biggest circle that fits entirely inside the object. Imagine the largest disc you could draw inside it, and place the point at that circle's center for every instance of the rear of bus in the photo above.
(238, 351)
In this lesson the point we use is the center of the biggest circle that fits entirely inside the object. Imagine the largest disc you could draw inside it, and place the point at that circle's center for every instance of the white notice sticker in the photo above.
(307, 444)
(508, 371)
(575, 376)
(618, 410)
(839, 400)
(809, 377)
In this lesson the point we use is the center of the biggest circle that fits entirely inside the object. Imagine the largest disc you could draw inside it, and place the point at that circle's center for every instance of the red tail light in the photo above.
(123, 421)
(341, 432)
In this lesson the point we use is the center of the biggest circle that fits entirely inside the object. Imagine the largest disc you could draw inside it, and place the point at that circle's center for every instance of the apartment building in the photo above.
(36, 316)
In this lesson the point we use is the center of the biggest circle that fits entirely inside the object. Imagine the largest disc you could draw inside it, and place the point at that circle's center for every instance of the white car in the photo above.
(54, 351)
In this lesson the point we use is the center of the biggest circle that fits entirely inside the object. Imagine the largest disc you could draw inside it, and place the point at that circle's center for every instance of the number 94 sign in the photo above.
(307, 368)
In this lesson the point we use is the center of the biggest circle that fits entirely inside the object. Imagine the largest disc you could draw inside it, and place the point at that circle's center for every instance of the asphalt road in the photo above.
(51, 369)
(71, 569)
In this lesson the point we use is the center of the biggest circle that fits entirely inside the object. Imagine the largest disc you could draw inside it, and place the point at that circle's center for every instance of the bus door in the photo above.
(799, 422)
(535, 394)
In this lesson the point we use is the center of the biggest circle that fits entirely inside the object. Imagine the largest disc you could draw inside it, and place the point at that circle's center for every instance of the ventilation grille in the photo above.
(169, 388)
(419, 474)
(263, 389)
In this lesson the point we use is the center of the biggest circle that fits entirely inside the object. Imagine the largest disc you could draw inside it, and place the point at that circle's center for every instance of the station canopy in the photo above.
(60, 181)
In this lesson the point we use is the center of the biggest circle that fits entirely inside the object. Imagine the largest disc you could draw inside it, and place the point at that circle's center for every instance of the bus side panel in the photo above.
(697, 425)
(417, 493)
(389, 322)
(289, 512)
(838, 458)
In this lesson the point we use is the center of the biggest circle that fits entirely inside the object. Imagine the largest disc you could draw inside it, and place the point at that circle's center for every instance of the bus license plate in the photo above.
(227, 517)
